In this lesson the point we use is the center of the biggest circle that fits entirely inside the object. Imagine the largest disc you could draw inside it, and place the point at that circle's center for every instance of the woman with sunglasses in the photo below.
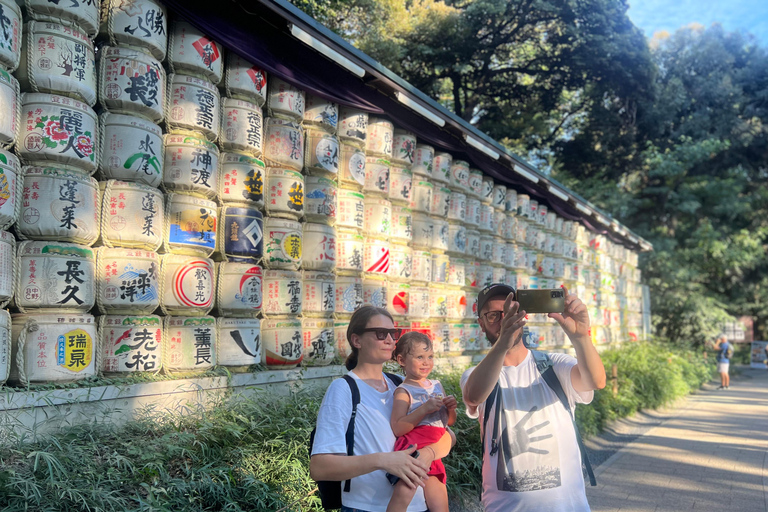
(371, 335)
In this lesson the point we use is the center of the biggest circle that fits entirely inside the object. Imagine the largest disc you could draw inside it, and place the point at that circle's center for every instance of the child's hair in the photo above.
(408, 340)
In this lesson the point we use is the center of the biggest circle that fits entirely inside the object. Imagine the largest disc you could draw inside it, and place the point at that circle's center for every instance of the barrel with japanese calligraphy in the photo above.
(283, 244)
(376, 256)
(189, 343)
(319, 341)
(423, 230)
(241, 234)
(192, 225)
(523, 204)
(351, 213)
(473, 335)
(285, 193)
(285, 101)
(241, 180)
(130, 343)
(484, 275)
(321, 113)
(282, 293)
(457, 207)
(459, 175)
(470, 272)
(191, 165)
(7, 267)
(58, 130)
(499, 247)
(375, 290)
(440, 240)
(441, 201)
(509, 226)
(456, 334)
(244, 80)
(456, 271)
(340, 326)
(241, 127)
(377, 217)
(441, 168)
(510, 201)
(321, 153)
(132, 215)
(282, 343)
(10, 36)
(485, 225)
(352, 167)
(239, 341)
(376, 176)
(319, 290)
(532, 235)
(403, 147)
(422, 196)
(422, 161)
(457, 239)
(10, 106)
(143, 27)
(400, 262)
(521, 234)
(475, 184)
(400, 185)
(500, 224)
(532, 211)
(499, 196)
(470, 295)
(187, 285)
(486, 248)
(486, 196)
(84, 15)
(541, 214)
(473, 243)
(379, 134)
(192, 52)
(283, 144)
(52, 348)
(320, 200)
(472, 214)
(440, 264)
(349, 292)
(11, 189)
(437, 330)
(398, 298)
(132, 149)
(510, 254)
(238, 289)
(131, 82)
(402, 224)
(194, 105)
(418, 302)
(127, 281)
(353, 126)
(550, 222)
(422, 266)
(349, 250)
(5, 345)
(498, 274)
(320, 247)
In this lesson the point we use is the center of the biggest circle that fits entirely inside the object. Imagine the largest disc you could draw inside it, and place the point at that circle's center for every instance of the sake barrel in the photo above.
(192, 225)
(285, 101)
(58, 59)
(473, 335)
(320, 245)
(556, 223)
(58, 130)
(440, 263)
(282, 343)
(283, 144)
(400, 185)
(349, 293)
(10, 35)
(5, 345)
(500, 225)
(319, 341)
(131, 82)
(498, 274)
(533, 209)
(377, 217)
(473, 243)
(440, 334)
(510, 254)
(472, 215)
(132, 215)
(418, 302)
(239, 289)
(10, 106)
(132, 149)
(475, 183)
(241, 127)
(471, 304)
(127, 281)
(321, 113)
(130, 343)
(440, 235)
(352, 167)
(486, 248)
(441, 201)
(400, 262)
(283, 244)
(460, 175)
(485, 225)
(423, 230)
(351, 214)
(52, 348)
(241, 234)
(11, 188)
(510, 200)
(398, 298)
(541, 215)
(523, 205)
(499, 196)
(422, 266)
(376, 176)
(422, 196)
(353, 125)
(379, 135)
(194, 105)
(441, 168)
(521, 234)
(402, 224)
(375, 290)
(403, 147)
(320, 200)
(241, 180)
(239, 341)
(7, 267)
(321, 153)
(376, 256)
(142, 26)
(187, 285)
(282, 293)
(319, 293)
(58, 205)
(457, 207)
(509, 227)
(244, 80)
(456, 275)
(470, 273)
(340, 326)
(486, 197)
(189, 343)
(457, 238)
(349, 250)
(484, 275)
(498, 250)
(422, 161)
(192, 52)
(285, 193)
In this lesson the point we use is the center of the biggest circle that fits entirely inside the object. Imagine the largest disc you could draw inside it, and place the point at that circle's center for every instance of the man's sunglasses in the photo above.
(381, 332)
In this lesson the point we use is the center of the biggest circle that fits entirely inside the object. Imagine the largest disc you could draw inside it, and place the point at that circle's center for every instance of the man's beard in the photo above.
(491, 337)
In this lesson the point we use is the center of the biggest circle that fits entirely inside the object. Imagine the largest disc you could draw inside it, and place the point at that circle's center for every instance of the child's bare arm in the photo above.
(401, 421)
(451, 404)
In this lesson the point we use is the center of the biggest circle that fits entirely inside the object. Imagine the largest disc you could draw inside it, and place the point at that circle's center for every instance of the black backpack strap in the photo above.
(350, 435)
(486, 414)
(395, 378)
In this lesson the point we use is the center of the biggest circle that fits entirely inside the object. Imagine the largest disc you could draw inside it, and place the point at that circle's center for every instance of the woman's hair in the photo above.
(357, 323)
(408, 340)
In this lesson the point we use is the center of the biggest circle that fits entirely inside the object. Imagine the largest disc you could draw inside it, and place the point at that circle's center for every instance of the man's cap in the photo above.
(491, 291)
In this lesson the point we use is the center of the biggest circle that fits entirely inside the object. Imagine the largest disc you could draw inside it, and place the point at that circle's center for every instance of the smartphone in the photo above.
(542, 301)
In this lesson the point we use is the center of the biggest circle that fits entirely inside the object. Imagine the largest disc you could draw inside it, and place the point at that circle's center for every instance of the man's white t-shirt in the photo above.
(373, 434)
(539, 449)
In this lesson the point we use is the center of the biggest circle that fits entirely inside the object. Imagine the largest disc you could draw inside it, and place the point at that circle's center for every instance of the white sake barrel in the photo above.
(127, 281)
(533, 210)
(460, 175)
(143, 27)
(457, 335)
(239, 289)
(283, 244)
(321, 113)
(130, 343)
(379, 135)
(192, 225)
(423, 230)
(397, 298)
(319, 341)
(193, 53)
(83, 14)
(532, 235)
(319, 293)
(470, 273)
(351, 214)
(418, 302)
(239, 341)
(10, 36)
(422, 196)
(440, 235)
(241, 127)
(457, 238)
(550, 243)
(11, 188)
(499, 196)
(402, 224)
(440, 334)
(400, 262)
(376, 176)
(422, 266)
(486, 197)
(321, 153)
(541, 240)
(59, 205)
(375, 290)
(10, 106)
(244, 80)
(422, 161)
(285, 193)
(353, 126)
(457, 207)
(475, 183)
(187, 285)
(400, 185)
(282, 293)
(349, 250)
(377, 217)
(485, 225)
(319, 247)
(58, 59)
(241, 234)
(521, 234)
(352, 167)
(283, 144)
(440, 264)
(5, 345)
(376, 256)
(403, 147)
(58, 130)
(509, 226)
(486, 248)
(473, 243)
(132, 215)
(340, 326)
(472, 334)
(456, 272)
(320, 200)
(510, 200)
(499, 248)
(500, 225)
(189, 343)
(523, 204)
(542, 215)
(441, 168)
(349, 293)
(285, 101)
(52, 348)
(510, 254)
(194, 105)
(559, 223)
(457, 307)
(282, 343)
(241, 180)
(132, 149)
(472, 214)
(441, 201)
(7, 268)
(484, 276)
(471, 304)
(499, 274)
(131, 82)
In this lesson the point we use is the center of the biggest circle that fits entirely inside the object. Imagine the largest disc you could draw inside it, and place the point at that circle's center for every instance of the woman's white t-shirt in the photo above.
(373, 434)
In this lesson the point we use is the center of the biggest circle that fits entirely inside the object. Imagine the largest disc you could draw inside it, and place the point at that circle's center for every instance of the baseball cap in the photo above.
(491, 291)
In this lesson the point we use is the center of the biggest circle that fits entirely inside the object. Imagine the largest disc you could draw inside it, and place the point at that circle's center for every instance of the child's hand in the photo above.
(432, 405)
(450, 402)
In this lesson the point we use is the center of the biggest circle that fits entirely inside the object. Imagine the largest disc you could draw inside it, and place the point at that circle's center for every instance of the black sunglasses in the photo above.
(381, 332)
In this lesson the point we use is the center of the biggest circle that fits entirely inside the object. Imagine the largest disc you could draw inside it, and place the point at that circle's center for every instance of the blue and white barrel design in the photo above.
(283, 144)
(241, 234)
(189, 343)
(321, 113)
(132, 149)
(239, 289)
(375, 291)
(131, 343)
(321, 199)
(241, 180)
(10, 106)
(239, 342)
(194, 53)
(131, 82)
(192, 225)
(11, 185)
(349, 293)
(144, 27)
(128, 281)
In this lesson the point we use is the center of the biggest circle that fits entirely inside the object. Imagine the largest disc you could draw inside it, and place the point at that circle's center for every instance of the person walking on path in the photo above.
(724, 354)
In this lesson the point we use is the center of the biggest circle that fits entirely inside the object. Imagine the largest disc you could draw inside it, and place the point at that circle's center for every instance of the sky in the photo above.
(745, 15)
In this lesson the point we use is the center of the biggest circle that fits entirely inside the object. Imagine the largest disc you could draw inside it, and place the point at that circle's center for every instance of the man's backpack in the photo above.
(547, 371)
(329, 490)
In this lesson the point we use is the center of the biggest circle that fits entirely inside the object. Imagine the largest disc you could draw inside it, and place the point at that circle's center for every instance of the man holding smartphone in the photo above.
(531, 458)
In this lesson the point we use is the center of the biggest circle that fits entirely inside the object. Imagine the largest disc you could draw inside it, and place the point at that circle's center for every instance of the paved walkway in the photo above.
(711, 457)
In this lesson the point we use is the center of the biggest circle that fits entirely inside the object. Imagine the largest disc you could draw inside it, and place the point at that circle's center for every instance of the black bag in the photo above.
(330, 490)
